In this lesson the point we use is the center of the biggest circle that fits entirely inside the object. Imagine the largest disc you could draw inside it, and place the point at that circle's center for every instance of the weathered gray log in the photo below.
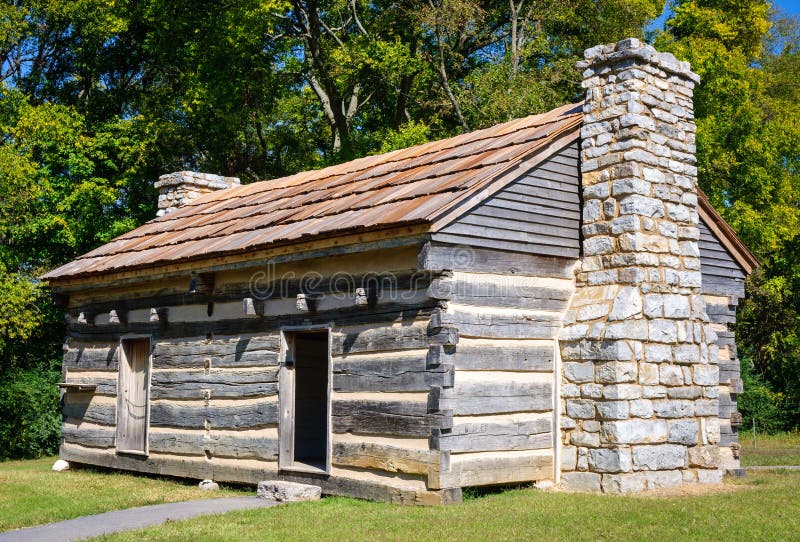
(220, 384)
(80, 408)
(93, 438)
(390, 372)
(92, 356)
(385, 457)
(398, 418)
(253, 351)
(439, 257)
(185, 467)
(377, 339)
(197, 443)
(246, 416)
(486, 436)
(474, 323)
(491, 397)
(499, 291)
(511, 356)
(351, 315)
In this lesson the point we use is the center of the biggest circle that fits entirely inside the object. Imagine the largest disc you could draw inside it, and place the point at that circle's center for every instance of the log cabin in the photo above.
(545, 301)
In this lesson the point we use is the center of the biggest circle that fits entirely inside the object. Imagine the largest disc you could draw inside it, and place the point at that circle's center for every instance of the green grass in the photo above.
(32, 494)
(780, 449)
(765, 507)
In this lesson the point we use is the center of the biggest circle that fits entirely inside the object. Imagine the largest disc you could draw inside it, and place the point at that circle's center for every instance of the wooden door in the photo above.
(134, 394)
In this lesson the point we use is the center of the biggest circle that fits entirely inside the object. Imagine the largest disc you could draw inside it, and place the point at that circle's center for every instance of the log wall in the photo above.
(504, 310)
(723, 287)
(214, 378)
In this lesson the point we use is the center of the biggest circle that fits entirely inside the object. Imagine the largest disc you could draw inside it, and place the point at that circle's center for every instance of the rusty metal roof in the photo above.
(408, 186)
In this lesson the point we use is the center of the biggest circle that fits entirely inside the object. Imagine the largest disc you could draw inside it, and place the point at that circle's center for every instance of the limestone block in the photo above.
(580, 408)
(641, 408)
(663, 479)
(613, 410)
(622, 391)
(706, 375)
(627, 304)
(579, 372)
(659, 457)
(623, 484)
(569, 455)
(648, 374)
(673, 408)
(616, 372)
(277, 490)
(670, 375)
(657, 353)
(580, 481)
(610, 460)
(704, 457)
(707, 476)
(636, 431)
(684, 432)
(582, 438)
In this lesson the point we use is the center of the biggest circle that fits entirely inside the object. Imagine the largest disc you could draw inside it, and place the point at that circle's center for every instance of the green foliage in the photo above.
(760, 403)
(30, 421)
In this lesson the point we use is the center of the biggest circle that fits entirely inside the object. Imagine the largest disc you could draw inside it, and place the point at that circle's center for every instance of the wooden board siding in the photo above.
(721, 274)
(537, 214)
(505, 308)
(723, 286)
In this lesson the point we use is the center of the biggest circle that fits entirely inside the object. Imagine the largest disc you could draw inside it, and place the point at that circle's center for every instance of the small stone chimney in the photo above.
(639, 394)
(181, 187)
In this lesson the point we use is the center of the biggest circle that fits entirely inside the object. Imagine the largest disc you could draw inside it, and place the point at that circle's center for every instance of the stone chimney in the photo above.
(639, 379)
(181, 187)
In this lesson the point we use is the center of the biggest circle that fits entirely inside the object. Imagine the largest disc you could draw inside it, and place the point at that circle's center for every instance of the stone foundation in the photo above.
(640, 380)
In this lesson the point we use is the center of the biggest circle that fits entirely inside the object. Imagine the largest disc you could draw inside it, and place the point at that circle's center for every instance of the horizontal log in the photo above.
(485, 290)
(480, 355)
(493, 434)
(398, 418)
(352, 315)
(496, 397)
(506, 324)
(384, 457)
(92, 356)
(389, 372)
(84, 408)
(103, 385)
(215, 445)
(490, 468)
(246, 416)
(95, 437)
(344, 482)
(217, 384)
(439, 257)
(376, 339)
(236, 351)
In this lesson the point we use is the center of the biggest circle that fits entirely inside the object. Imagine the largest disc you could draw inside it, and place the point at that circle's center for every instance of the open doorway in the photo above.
(305, 400)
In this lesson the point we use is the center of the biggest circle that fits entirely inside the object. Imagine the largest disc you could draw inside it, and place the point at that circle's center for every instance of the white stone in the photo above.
(636, 431)
(208, 485)
(610, 460)
(641, 408)
(659, 457)
(278, 490)
(582, 438)
(670, 375)
(684, 432)
(674, 408)
(656, 353)
(579, 372)
(613, 410)
(627, 304)
(706, 375)
(634, 482)
(664, 479)
(676, 306)
(580, 481)
(648, 374)
(60, 465)
(616, 372)
(580, 409)
(705, 457)
(709, 476)
(622, 391)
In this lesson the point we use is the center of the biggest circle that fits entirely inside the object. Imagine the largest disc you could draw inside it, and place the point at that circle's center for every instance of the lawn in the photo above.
(764, 507)
(780, 449)
(32, 494)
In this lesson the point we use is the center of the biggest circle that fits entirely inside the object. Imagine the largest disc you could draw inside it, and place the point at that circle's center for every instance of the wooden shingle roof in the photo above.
(409, 186)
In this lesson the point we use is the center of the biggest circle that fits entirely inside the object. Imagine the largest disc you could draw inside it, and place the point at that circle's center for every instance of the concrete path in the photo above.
(131, 518)
(774, 467)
